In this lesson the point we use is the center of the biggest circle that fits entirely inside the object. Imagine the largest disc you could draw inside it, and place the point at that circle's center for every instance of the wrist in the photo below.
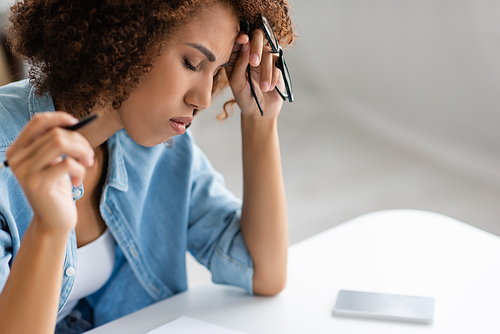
(259, 134)
(256, 122)
(42, 230)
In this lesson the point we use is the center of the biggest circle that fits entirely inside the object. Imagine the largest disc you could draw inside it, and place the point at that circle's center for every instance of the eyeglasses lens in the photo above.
(288, 81)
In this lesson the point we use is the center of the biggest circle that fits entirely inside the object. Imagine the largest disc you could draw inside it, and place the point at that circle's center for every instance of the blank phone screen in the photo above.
(384, 305)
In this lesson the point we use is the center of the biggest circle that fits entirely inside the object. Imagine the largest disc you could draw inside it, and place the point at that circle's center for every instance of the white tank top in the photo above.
(95, 264)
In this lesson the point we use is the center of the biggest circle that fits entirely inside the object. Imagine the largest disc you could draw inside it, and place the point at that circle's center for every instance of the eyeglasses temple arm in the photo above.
(253, 91)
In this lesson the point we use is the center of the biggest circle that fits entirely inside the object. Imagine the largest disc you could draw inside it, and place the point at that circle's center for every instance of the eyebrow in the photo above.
(209, 54)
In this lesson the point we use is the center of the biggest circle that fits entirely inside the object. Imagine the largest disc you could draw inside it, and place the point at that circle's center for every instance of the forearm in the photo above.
(264, 222)
(30, 297)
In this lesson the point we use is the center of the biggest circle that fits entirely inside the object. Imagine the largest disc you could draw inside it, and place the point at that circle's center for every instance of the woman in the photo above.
(131, 207)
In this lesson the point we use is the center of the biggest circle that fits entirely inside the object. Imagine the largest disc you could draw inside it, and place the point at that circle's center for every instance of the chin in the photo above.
(149, 141)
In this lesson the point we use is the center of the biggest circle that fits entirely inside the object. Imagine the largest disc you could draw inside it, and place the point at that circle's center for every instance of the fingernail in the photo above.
(254, 59)
(264, 86)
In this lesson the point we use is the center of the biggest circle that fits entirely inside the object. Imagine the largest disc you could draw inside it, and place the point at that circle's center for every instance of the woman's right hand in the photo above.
(35, 159)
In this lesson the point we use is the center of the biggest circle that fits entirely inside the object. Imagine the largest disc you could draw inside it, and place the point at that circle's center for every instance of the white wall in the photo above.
(4, 8)
(422, 73)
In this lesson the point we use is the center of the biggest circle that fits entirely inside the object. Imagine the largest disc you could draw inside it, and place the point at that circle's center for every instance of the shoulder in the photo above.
(14, 110)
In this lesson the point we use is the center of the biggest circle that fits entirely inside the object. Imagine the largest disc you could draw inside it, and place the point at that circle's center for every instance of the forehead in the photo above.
(216, 27)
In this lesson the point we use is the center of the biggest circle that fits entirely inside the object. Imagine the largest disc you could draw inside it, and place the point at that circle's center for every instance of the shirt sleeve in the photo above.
(214, 233)
(5, 252)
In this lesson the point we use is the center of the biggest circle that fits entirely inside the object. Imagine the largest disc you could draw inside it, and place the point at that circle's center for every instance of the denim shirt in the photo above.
(157, 202)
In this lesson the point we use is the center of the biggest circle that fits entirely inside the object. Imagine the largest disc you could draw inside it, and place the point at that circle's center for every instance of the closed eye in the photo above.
(189, 65)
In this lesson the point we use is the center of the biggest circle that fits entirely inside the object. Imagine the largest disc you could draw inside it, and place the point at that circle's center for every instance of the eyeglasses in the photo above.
(286, 91)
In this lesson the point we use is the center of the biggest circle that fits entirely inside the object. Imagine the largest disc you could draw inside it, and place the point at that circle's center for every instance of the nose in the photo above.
(200, 95)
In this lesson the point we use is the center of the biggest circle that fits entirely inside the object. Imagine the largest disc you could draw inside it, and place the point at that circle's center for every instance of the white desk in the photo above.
(399, 251)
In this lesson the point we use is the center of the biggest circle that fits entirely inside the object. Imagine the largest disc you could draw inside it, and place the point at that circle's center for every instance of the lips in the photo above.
(179, 124)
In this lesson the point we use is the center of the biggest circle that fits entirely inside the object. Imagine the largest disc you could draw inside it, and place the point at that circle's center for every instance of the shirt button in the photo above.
(70, 271)
(77, 193)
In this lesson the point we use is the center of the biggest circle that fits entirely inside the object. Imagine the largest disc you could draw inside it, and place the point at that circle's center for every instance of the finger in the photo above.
(52, 145)
(242, 38)
(238, 76)
(38, 125)
(56, 161)
(266, 69)
(67, 166)
(276, 74)
(256, 45)
(58, 142)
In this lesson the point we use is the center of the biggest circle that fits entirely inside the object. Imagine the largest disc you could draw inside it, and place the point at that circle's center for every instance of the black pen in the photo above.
(81, 123)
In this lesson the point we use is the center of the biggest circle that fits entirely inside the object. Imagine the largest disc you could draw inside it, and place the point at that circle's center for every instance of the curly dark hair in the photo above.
(92, 53)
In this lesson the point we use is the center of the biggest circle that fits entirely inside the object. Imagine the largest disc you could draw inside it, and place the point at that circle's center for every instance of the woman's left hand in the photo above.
(265, 75)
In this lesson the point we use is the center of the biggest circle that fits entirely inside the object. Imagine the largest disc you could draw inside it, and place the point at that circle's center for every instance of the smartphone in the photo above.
(384, 306)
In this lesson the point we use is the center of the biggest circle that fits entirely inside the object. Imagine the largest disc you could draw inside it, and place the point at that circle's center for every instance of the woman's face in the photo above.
(181, 79)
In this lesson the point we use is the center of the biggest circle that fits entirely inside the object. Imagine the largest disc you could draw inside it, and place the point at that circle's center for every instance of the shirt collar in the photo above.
(39, 103)
(117, 172)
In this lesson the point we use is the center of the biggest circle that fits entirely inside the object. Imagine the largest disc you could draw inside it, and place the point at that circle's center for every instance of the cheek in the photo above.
(145, 127)
(158, 97)
(146, 116)
(156, 92)
(142, 119)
